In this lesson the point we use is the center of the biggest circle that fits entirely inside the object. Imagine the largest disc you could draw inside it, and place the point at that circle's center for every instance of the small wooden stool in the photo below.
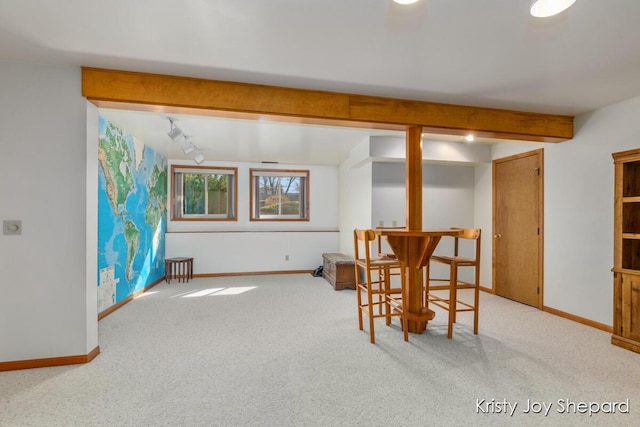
(178, 268)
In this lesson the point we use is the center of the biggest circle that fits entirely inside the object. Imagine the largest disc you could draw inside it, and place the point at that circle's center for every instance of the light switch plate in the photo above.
(11, 227)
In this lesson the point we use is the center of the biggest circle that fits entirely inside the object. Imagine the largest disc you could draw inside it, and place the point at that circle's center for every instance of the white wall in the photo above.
(579, 211)
(250, 246)
(392, 148)
(237, 252)
(482, 218)
(354, 196)
(44, 284)
(578, 205)
(375, 189)
(447, 195)
(91, 248)
(447, 199)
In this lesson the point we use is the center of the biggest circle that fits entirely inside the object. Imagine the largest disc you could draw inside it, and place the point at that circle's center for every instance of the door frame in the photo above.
(540, 154)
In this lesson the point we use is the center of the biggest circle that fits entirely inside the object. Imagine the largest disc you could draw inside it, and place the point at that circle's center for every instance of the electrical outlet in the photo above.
(286, 257)
(12, 227)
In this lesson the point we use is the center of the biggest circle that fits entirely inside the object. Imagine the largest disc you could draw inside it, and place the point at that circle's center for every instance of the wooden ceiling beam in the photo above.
(174, 94)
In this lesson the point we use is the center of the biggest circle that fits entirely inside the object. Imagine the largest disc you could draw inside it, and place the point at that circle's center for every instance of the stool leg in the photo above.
(453, 279)
(476, 299)
(387, 287)
(166, 272)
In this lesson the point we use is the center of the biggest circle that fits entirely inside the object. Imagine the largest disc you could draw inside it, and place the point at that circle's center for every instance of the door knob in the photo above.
(497, 236)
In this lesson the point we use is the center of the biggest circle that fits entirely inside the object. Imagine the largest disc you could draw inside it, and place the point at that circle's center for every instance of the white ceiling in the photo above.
(239, 140)
(488, 53)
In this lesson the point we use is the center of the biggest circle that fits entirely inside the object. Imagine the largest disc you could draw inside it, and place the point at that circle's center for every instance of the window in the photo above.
(204, 193)
(279, 195)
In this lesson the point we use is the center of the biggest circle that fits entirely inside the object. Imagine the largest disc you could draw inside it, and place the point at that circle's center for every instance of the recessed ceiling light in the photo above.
(546, 8)
(406, 1)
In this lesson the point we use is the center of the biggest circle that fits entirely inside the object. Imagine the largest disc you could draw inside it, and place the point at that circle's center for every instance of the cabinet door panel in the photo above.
(631, 307)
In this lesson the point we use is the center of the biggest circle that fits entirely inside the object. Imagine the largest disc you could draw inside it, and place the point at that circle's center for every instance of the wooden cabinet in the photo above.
(626, 251)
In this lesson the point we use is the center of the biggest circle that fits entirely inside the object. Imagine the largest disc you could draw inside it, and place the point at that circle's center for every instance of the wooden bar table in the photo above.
(414, 248)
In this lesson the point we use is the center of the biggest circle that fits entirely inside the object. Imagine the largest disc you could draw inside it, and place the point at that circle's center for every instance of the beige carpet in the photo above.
(285, 350)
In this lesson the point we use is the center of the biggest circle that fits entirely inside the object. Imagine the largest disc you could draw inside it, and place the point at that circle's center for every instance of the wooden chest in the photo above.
(338, 269)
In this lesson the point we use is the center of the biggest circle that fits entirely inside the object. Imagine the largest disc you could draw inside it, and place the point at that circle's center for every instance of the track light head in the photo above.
(199, 158)
(187, 146)
(175, 132)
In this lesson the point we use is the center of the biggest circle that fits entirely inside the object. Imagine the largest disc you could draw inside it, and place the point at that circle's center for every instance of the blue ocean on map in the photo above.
(147, 264)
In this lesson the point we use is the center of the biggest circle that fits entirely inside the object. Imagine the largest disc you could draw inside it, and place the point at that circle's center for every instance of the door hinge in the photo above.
(538, 290)
(538, 231)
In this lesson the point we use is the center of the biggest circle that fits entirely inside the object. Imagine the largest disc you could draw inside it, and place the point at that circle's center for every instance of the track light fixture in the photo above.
(175, 132)
(199, 158)
(187, 146)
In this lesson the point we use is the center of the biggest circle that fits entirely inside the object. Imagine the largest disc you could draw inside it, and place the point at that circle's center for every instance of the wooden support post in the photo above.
(413, 182)
(413, 178)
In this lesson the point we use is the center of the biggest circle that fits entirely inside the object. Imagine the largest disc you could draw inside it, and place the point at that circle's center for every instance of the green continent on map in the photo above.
(115, 159)
(132, 236)
(152, 215)
(157, 202)
(158, 184)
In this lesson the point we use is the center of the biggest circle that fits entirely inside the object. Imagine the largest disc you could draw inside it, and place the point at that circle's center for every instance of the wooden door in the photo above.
(517, 227)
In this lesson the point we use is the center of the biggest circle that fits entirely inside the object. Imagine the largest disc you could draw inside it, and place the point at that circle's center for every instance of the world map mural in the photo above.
(132, 215)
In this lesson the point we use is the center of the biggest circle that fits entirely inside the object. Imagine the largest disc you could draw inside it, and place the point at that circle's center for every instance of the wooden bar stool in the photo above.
(372, 277)
(451, 302)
